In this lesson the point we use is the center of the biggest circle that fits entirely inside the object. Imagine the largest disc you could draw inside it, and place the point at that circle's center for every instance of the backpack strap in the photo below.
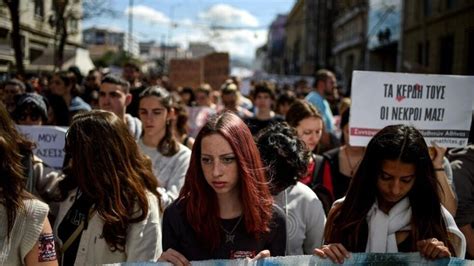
(318, 166)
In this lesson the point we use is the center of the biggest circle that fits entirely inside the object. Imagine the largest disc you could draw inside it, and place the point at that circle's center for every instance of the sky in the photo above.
(245, 22)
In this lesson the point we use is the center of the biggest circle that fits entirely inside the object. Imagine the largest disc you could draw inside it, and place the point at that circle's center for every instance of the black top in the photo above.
(340, 182)
(405, 245)
(76, 214)
(255, 124)
(180, 236)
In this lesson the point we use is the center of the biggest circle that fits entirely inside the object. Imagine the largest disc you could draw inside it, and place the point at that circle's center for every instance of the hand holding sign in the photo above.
(49, 142)
(438, 105)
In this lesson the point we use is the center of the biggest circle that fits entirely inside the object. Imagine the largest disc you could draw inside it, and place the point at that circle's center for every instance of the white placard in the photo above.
(440, 106)
(49, 143)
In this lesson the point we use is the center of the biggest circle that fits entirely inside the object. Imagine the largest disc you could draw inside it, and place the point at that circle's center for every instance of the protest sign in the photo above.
(440, 106)
(49, 142)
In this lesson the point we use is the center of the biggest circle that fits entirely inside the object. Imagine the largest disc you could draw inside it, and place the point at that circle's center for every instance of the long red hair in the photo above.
(200, 200)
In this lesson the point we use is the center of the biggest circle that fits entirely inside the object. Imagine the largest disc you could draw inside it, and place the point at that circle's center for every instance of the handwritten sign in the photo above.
(49, 143)
(437, 105)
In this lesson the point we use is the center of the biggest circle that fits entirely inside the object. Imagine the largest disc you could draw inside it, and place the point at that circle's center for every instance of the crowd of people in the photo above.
(157, 173)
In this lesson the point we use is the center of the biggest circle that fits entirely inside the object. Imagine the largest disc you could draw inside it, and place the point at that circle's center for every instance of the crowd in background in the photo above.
(133, 183)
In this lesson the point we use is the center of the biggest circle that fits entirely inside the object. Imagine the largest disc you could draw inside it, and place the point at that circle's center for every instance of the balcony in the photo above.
(348, 43)
(6, 51)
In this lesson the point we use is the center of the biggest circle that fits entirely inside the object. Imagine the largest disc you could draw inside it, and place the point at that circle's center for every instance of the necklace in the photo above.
(351, 167)
(229, 236)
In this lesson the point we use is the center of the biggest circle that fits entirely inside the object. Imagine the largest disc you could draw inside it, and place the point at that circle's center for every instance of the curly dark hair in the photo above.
(284, 155)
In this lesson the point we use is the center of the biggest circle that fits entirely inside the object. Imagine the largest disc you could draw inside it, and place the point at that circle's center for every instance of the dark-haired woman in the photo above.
(25, 232)
(33, 167)
(286, 160)
(65, 100)
(180, 125)
(343, 160)
(170, 158)
(224, 210)
(110, 205)
(393, 203)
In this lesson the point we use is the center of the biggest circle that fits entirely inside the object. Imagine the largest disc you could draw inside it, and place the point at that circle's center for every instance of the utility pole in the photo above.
(130, 27)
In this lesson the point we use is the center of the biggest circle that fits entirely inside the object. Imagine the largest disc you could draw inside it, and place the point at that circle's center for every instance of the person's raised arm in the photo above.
(448, 200)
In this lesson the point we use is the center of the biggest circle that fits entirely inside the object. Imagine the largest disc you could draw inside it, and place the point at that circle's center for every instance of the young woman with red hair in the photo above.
(225, 209)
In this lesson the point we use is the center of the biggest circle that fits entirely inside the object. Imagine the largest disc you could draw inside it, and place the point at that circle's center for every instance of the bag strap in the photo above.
(318, 165)
(76, 232)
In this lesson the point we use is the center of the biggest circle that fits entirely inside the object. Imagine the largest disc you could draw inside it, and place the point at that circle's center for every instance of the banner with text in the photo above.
(440, 106)
(355, 259)
(49, 143)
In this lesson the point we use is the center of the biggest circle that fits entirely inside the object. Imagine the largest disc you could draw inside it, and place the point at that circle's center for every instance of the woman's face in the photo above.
(185, 97)
(310, 130)
(263, 101)
(57, 86)
(153, 116)
(219, 165)
(202, 99)
(283, 108)
(395, 181)
(30, 117)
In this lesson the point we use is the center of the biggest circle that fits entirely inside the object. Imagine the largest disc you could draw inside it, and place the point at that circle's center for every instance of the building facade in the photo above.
(36, 30)
(100, 40)
(350, 30)
(200, 49)
(309, 36)
(295, 55)
(438, 37)
(276, 46)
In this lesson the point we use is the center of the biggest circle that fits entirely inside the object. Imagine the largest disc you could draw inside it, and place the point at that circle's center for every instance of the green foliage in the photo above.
(112, 58)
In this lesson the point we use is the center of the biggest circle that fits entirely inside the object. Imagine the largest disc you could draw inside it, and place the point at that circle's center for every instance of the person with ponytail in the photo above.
(169, 157)
(393, 203)
(225, 209)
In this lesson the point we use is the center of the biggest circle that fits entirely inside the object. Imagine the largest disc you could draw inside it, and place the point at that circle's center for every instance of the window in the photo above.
(39, 8)
(420, 53)
(427, 7)
(427, 53)
(447, 54)
(470, 52)
(100, 37)
(423, 53)
(450, 4)
(5, 37)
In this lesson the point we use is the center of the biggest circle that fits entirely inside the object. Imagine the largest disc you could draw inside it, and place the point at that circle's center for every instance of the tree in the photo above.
(66, 13)
(112, 58)
(14, 8)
